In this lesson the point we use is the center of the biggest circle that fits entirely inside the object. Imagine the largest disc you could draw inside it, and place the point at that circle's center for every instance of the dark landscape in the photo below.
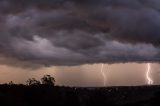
(50, 95)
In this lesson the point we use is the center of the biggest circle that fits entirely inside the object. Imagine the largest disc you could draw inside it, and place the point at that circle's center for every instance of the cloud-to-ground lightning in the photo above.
(149, 80)
(103, 74)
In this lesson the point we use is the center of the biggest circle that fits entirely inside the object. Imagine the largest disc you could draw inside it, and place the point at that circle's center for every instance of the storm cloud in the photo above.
(74, 32)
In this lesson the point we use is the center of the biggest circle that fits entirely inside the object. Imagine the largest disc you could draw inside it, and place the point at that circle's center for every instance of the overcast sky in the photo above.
(71, 32)
(40, 34)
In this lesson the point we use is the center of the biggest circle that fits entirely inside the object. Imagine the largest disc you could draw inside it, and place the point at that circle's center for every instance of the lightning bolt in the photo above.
(103, 74)
(149, 80)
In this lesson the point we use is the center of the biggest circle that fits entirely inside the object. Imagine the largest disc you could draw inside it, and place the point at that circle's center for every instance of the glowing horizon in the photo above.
(129, 74)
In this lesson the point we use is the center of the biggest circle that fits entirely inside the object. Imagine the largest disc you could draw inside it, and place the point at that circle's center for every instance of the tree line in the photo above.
(45, 80)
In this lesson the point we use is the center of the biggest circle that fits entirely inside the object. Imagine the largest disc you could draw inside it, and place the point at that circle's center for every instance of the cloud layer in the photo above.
(74, 32)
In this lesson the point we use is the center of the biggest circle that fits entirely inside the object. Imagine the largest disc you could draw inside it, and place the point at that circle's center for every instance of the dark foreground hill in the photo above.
(48, 95)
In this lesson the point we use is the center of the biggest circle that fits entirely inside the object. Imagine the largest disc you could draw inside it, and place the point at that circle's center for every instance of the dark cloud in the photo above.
(74, 32)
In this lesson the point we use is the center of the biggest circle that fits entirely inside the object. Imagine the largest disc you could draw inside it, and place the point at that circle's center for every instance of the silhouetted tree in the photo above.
(32, 81)
(48, 80)
(11, 83)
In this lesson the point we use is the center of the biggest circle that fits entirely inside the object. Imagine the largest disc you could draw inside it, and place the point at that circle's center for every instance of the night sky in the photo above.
(70, 39)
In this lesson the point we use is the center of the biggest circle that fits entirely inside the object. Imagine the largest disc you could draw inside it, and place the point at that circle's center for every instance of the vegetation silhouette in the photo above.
(48, 80)
(46, 93)
(32, 81)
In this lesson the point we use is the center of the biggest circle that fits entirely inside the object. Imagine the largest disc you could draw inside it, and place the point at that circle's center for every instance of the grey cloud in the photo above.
(42, 51)
(74, 32)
